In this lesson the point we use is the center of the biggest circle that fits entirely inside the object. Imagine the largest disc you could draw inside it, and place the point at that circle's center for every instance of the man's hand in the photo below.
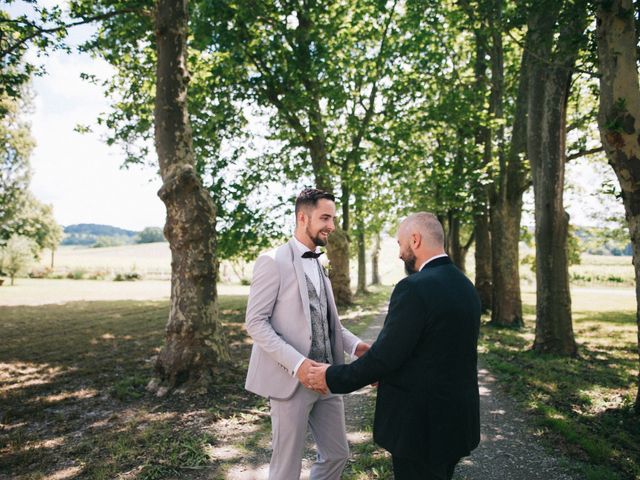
(303, 371)
(318, 379)
(361, 349)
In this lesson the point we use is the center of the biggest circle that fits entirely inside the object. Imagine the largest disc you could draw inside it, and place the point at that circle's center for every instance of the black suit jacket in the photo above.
(425, 360)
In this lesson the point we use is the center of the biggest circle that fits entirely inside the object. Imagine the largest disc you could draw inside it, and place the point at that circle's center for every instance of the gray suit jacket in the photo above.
(279, 321)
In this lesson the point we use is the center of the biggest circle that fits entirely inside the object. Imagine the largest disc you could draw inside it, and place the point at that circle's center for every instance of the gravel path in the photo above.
(508, 449)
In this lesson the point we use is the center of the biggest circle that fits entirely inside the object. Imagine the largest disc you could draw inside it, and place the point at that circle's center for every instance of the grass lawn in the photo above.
(73, 401)
(582, 406)
(42, 291)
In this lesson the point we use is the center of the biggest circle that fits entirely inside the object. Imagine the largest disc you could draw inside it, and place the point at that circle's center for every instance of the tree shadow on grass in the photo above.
(585, 402)
(73, 401)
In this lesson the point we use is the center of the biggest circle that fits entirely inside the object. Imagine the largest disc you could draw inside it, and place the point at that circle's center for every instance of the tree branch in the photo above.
(584, 153)
(272, 92)
(467, 245)
(40, 31)
(548, 62)
(368, 115)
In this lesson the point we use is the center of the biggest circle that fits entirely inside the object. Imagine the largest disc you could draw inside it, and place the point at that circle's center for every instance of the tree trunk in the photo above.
(361, 244)
(195, 345)
(506, 212)
(338, 253)
(482, 233)
(338, 246)
(53, 253)
(318, 154)
(617, 118)
(375, 261)
(549, 83)
(507, 300)
(454, 245)
(456, 250)
(345, 196)
(483, 279)
(362, 259)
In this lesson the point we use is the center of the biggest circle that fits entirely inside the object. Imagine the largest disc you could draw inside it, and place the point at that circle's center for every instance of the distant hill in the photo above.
(98, 230)
(97, 235)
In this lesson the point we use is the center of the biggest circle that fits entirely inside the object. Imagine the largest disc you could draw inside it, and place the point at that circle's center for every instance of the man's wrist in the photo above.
(300, 362)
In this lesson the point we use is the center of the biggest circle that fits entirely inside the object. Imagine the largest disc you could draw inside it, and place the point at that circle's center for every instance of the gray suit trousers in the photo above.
(289, 419)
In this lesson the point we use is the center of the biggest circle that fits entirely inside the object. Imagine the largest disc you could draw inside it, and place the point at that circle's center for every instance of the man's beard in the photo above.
(410, 263)
(317, 241)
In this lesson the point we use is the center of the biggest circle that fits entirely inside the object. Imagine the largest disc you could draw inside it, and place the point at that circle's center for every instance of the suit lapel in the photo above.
(333, 313)
(302, 282)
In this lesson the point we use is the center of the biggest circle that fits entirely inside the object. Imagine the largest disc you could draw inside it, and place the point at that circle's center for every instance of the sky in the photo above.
(78, 173)
(82, 177)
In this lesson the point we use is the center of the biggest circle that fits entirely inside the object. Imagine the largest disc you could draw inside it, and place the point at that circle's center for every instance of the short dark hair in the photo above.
(309, 198)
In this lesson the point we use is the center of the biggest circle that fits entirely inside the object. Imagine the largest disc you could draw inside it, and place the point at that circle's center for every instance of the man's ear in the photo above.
(301, 217)
(417, 240)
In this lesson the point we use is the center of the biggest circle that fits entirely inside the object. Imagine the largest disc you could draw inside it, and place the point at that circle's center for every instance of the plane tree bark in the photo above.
(554, 52)
(195, 345)
(619, 115)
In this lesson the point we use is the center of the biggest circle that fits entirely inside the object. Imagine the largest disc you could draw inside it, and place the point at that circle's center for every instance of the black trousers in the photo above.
(410, 469)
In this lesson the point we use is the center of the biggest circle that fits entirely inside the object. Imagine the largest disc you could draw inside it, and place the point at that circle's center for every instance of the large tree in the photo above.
(557, 31)
(20, 212)
(195, 343)
(509, 181)
(619, 116)
(500, 72)
(16, 145)
(141, 34)
(321, 69)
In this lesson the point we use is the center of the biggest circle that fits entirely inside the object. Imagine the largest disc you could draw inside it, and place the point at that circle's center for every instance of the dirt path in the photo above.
(508, 449)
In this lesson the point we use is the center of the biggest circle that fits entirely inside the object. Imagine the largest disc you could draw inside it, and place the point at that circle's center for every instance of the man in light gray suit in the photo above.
(293, 320)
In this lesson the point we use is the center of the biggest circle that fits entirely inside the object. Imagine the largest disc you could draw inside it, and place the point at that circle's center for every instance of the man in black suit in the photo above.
(427, 410)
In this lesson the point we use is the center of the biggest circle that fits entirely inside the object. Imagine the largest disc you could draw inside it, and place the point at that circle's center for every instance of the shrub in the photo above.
(17, 255)
(98, 275)
(77, 274)
(127, 277)
(151, 235)
(44, 272)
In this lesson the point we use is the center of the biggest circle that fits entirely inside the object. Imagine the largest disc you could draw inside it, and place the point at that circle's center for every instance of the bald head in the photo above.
(427, 225)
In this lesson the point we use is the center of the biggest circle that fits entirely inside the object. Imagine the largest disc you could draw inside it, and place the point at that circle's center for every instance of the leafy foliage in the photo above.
(16, 145)
(151, 235)
(17, 255)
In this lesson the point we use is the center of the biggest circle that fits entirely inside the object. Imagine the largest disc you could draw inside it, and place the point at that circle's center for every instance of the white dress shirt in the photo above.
(432, 258)
(311, 268)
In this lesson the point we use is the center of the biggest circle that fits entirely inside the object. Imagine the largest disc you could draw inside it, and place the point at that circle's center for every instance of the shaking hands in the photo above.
(313, 374)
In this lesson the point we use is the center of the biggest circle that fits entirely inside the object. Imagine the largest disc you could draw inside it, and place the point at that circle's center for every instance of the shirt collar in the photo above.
(302, 247)
(431, 259)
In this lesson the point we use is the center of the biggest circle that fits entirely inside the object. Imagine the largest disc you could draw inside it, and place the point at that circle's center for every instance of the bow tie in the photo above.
(311, 254)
